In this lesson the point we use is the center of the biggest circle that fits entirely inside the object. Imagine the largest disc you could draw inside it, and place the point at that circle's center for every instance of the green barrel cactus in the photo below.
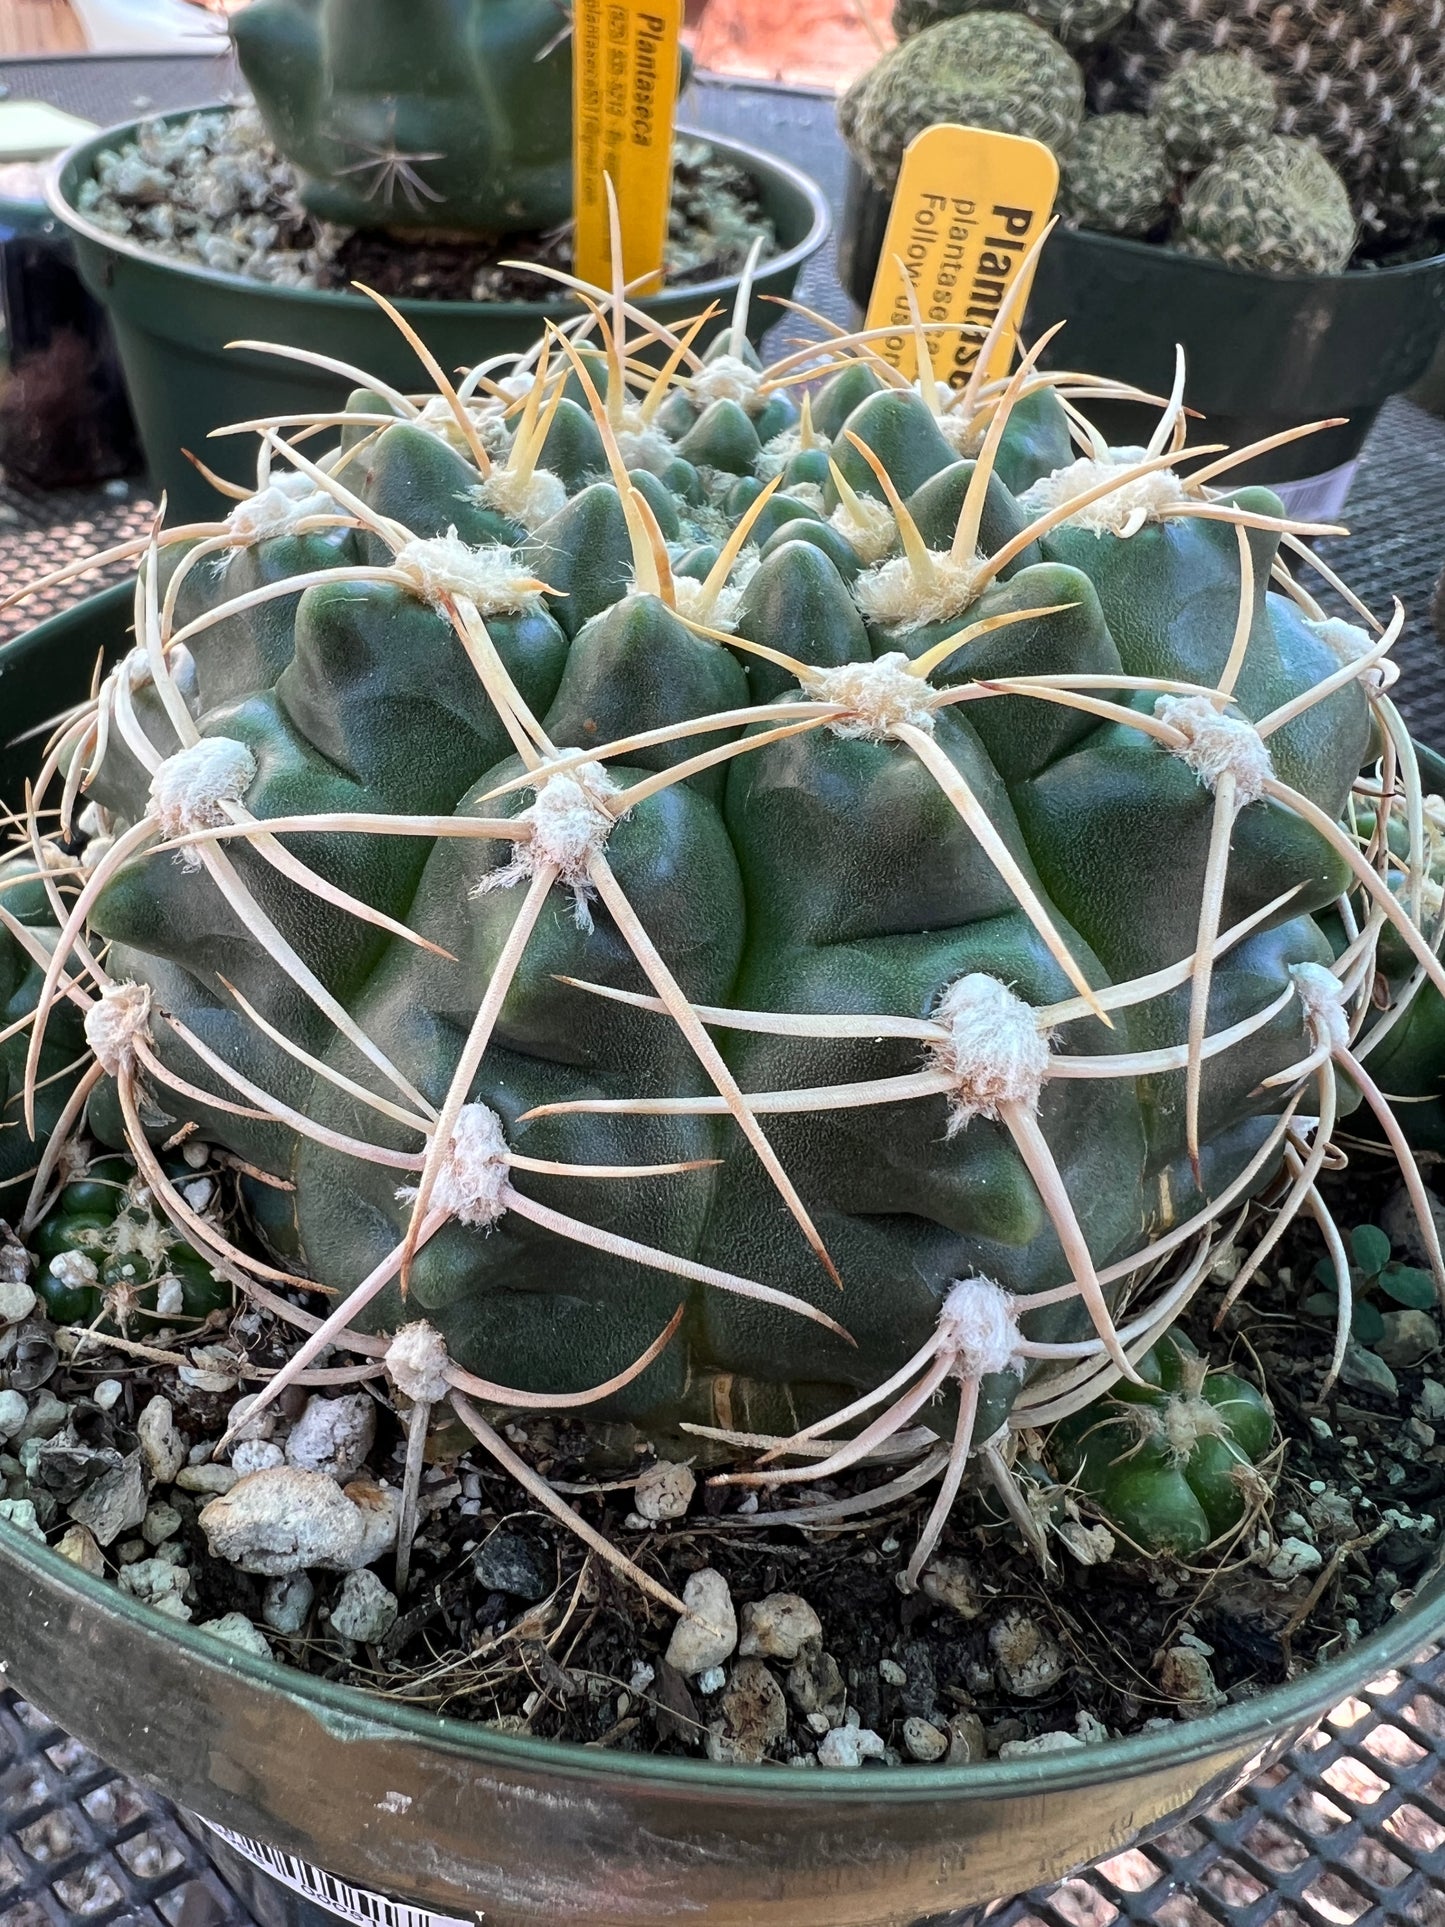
(782, 919)
(1209, 106)
(1172, 1463)
(1117, 178)
(1278, 206)
(996, 70)
(450, 115)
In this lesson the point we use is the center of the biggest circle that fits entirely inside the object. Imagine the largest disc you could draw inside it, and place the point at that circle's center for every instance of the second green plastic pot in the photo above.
(1264, 352)
(173, 319)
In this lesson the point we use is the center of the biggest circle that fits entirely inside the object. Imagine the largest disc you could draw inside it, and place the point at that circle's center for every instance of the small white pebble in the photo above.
(286, 1603)
(195, 1153)
(664, 1491)
(891, 1673)
(13, 1413)
(107, 1393)
(255, 1455)
(170, 1298)
(17, 1301)
(641, 1676)
(778, 1627)
(1057, 1742)
(212, 1479)
(238, 1631)
(707, 1638)
(364, 1610)
(1294, 1558)
(847, 1747)
(922, 1740)
(713, 1680)
(161, 1522)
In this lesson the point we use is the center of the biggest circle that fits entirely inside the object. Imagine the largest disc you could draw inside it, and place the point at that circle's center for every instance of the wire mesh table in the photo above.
(1348, 1831)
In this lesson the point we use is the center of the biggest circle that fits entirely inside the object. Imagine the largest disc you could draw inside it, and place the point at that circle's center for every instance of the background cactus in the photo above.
(1278, 206)
(995, 70)
(1077, 23)
(1117, 177)
(627, 898)
(452, 115)
(1352, 74)
(1210, 106)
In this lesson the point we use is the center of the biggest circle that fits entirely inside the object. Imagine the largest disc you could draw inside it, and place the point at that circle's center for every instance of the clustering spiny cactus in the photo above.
(438, 114)
(1279, 206)
(1117, 177)
(996, 70)
(1078, 23)
(1208, 107)
(632, 855)
(1356, 76)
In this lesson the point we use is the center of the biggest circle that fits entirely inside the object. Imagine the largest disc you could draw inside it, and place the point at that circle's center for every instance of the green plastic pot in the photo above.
(521, 1832)
(172, 320)
(1264, 352)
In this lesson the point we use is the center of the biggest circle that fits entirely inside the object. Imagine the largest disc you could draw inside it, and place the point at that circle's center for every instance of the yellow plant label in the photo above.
(625, 58)
(968, 207)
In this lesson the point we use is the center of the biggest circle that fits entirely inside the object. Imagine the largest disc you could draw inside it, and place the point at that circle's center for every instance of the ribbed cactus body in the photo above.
(451, 115)
(24, 949)
(1078, 23)
(825, 876)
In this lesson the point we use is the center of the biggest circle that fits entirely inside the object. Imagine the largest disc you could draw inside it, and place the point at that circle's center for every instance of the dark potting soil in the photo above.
(509, 1621)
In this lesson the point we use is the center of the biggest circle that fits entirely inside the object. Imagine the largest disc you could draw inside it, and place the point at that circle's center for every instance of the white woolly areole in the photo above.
(978, 1322)
(1215, 744)
(868, 526)
(569, 826)
(188, 789)
(417, 1360)
(994, 1052)
(277, 508)
(525, 499)
(119, 1016)
(488, 418)
(1346, 640)
(880, 695)
(135, 667)
(890, 593)
(1112, 514)
(1323, 997)
(776, 453)
(472, 1181)
(725, 378)
(645, 447)
(494, 577)
(722, 613)
(962, 432)
(810, 494)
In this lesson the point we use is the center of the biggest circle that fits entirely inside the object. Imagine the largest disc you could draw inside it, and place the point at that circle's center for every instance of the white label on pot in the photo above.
(356, 1904)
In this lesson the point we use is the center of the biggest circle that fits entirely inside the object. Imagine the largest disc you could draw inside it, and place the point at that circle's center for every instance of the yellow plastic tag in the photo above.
(625, 55)
(968, 206)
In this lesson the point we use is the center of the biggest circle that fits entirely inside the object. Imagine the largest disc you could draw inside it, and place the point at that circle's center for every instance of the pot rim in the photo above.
(1251, 1721)
(755, 161)
(1206, 264)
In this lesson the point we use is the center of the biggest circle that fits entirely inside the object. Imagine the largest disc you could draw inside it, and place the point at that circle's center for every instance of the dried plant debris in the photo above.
(212, 189)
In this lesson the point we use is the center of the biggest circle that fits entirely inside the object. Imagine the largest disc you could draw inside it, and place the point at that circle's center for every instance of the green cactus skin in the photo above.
(23, 896)
(995, 70)
(1279, 207)
(1117, 178)
(821, 873)
(444, 115)
(1175, 1469)
(1212, 105)
(1078, 23)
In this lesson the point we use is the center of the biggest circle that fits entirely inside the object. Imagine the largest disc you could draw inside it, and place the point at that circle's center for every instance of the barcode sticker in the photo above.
(355, 1904)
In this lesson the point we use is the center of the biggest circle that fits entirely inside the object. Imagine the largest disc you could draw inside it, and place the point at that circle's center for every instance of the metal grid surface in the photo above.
(1348, 1831)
